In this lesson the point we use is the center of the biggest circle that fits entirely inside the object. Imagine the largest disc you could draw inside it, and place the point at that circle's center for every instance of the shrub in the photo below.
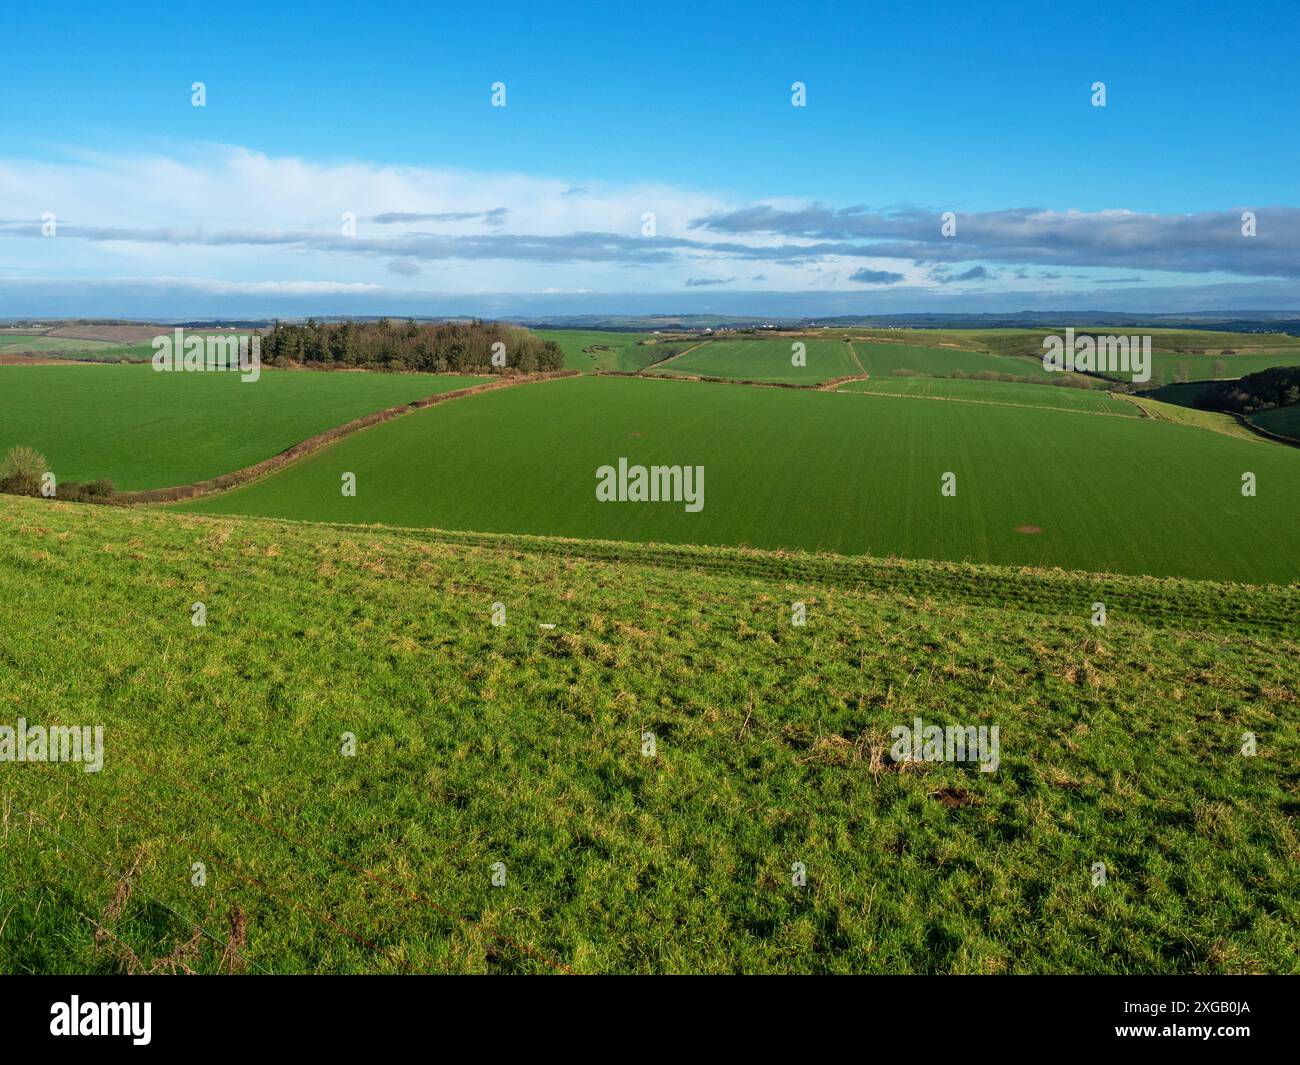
(21, 470)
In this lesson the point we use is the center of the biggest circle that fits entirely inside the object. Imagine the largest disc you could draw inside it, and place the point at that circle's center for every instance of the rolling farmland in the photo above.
(773, 741)
(817, 471)
(597, 489)
(143, 429)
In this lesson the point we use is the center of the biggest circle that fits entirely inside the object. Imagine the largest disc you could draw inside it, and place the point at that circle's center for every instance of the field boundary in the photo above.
(238, 478)
(835, 382)
(811, 387)
(662, 362)
(1255, 427)
(1253, 432)
(854, 352)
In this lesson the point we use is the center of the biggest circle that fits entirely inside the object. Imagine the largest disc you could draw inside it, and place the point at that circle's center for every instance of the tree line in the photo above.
(1278, 386)
(442, 347)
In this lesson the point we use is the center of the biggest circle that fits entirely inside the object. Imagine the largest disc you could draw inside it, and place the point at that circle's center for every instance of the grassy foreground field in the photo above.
(143, 429)
(519, 745)
(816, 471)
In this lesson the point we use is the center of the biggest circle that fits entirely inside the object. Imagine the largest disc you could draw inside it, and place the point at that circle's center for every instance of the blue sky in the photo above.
(614, 110)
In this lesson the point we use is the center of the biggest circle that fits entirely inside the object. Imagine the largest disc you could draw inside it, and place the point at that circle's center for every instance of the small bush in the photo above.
(21, 470)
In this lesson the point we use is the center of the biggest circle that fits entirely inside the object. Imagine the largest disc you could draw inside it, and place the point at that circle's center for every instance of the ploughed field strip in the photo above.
(479, 744)
(143, 429)
(816, 471)
(38, 344)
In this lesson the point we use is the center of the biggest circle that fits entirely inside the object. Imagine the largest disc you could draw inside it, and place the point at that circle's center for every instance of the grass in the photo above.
(520, 745)
(591, 349)
(817, 471)
(143, 429)
(766, 360)
(1183, 342)
(1177, 414)
(1193, 354)
(1092, 401)
(1167, 369)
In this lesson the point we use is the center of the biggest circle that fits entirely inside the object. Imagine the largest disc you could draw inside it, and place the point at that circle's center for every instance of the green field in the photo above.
(1215, 421)
(1191, 354)
(881, 360)
(1193, 342)
(766, 360)
(769, 360)
(143, 429)
(1285, 421)
(478, 745)
(817, 471)
(623, 352)
(1169, 369)
(1090, 400)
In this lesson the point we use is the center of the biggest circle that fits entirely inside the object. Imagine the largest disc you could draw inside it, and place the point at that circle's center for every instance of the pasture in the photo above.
(143, 429)
(819, 471)
(624, 352)
(479, 745)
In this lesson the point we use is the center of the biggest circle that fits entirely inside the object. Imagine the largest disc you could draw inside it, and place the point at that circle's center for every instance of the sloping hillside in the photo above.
(225, 749)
